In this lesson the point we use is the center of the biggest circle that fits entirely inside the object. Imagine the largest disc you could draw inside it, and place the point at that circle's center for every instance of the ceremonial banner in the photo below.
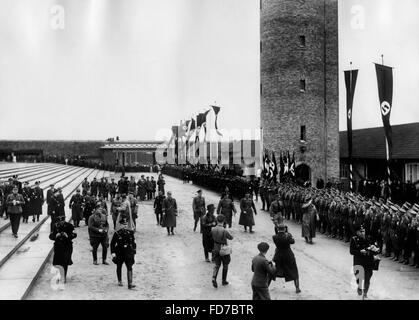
(275, 167)
(385, 93)
(350, 81)
(292, 167)
(281, 165)
(216, 111)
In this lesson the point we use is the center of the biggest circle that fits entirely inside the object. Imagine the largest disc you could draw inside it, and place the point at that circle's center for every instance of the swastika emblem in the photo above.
(385, 108)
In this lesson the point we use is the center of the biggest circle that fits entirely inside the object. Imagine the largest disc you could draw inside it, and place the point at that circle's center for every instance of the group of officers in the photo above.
(395, 228)
(91, 205)
(19, 200)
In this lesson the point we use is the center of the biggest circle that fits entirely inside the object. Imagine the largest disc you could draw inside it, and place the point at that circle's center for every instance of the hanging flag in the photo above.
(350, 81)
(286, 164)
(264, 166)
(275, 167)
(292, 168)
(281, 165)
(385, 93)
(193, 124)
(267, 166)
(201, 122)
(216, 111)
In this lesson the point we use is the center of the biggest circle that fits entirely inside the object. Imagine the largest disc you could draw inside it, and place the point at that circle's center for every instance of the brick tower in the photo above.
(299, 83)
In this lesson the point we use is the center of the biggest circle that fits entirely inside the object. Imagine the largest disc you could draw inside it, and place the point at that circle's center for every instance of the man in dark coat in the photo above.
(286, 266)
(158, 207)
(113, 187)
(38, 201)
(50, 192)
(123, 250)
(262, 271)
(169, 213)
(309, 220)
(62, 234)
(76, 206)
(153, 187)
(149, 189)
(89, 206)
(94, 186)
(208, 222)
(56, 208)
(27, 207)
(85, 186)
(142, 189)
(363, 251)
(247, 211)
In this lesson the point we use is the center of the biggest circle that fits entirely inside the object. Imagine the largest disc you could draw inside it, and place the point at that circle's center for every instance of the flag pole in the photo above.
(261, 152)
(351, 178)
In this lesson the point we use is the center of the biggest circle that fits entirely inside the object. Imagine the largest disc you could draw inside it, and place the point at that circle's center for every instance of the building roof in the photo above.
(136, 145)
(370, 143)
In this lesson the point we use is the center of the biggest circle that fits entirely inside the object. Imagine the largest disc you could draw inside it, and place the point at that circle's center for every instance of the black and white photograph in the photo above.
(210, 150)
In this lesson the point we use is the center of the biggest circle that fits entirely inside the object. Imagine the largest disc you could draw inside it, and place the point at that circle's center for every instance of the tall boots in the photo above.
(129, 276)
(119, 275)
(225, 271)
(214, 276)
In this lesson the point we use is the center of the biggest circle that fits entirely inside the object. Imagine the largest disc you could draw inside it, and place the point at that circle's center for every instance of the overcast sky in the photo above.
(132, 67)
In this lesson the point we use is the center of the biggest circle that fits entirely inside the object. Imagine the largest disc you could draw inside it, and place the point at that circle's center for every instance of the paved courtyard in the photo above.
(173, 267)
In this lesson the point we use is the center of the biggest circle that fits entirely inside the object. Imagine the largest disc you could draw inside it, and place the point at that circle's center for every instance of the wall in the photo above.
(284, 109)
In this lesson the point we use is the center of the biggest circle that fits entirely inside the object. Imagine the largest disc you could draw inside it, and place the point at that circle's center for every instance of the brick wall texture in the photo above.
(284, 62)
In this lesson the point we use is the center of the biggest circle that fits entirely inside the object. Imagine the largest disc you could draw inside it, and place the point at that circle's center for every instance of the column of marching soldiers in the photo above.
(19, 201)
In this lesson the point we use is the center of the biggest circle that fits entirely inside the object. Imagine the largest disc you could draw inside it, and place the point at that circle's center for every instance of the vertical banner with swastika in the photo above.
(350, 81)
(385, 93)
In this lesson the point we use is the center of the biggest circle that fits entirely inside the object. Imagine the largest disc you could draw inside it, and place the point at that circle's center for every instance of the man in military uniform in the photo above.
(198, 207)
(14, 202)
(263, 195)
(98, 233)
(27, 196)
(113, 187)
(276, 211)
(94, 186)
(226, 207)
(85, 186)
(50, 193)
(89, 204)
(385, 229)
(38, 201)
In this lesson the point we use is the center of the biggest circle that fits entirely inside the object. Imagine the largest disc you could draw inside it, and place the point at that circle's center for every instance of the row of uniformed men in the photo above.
(394, 227)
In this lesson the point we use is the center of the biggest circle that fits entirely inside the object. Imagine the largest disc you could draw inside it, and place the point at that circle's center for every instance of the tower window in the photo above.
(261, 47)
(261, 89)
(302, 85)
(302, 41)
(303, 133)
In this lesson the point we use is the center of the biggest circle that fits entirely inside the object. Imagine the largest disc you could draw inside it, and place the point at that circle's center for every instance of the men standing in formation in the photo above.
(337, 214)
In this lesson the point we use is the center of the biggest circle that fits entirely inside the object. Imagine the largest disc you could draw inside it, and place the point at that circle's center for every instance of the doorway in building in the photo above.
(303, 173)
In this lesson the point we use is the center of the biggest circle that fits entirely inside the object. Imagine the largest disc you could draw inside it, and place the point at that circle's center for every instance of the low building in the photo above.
(130, 153)
(369, 154)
